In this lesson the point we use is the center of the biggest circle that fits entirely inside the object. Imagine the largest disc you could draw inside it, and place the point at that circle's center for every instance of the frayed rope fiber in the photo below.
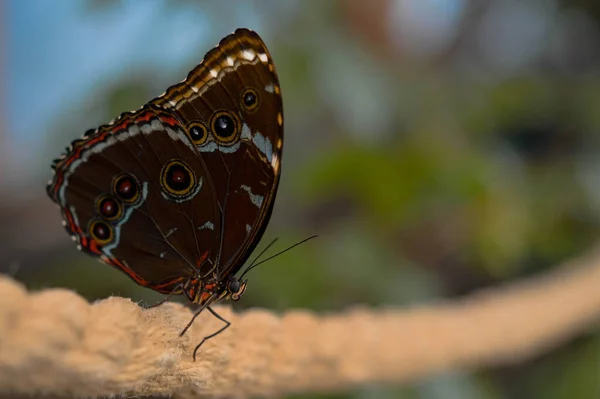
(53, 342)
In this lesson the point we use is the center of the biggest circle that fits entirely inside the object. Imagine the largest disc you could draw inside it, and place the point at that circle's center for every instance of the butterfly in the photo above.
(178, 193)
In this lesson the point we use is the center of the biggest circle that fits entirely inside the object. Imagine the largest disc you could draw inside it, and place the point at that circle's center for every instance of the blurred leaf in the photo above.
(573, 375)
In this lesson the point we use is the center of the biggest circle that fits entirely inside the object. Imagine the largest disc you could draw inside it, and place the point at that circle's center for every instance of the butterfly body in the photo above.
(178, 193)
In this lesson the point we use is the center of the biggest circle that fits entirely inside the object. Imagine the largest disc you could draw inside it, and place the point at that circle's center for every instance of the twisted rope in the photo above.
(54, 342)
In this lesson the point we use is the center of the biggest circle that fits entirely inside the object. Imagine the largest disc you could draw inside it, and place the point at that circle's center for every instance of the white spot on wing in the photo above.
(248, 229)
(146, 129)
(208, 225)
(179, 135)
(263, 58)
(211, 146)
(248, 54)
(214, 73)
(270, 88)
(275, 161)
(259, 141)
(230, 61)
(254, 198)
(133, 131)
(245, 132)
(264, 145)
(268, 149)
(173, 230)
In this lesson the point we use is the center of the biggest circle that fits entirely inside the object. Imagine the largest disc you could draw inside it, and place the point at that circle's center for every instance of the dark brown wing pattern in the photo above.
(178, 193)
(233, 101)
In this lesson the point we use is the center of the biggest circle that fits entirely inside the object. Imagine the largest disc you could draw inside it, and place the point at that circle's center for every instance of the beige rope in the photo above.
(54, 342)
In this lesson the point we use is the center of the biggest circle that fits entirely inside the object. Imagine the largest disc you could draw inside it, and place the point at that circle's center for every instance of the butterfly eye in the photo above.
(198, 133)
(126, 188)
(250, 100)
(234, 286)
(178, 180)
(101, 232)
(225, 127)
(109, 209)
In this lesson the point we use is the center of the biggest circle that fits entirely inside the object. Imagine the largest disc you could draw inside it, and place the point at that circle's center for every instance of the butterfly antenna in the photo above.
(263, 251)
(253, 264)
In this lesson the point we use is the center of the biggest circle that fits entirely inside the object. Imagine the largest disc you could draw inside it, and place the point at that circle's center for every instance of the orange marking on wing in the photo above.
(205, 296)
(145, 117)
(209, 287)
(169, 120)
(93, 246)
(73, 227)
(200, 261)
(122, 126)
(168, 283)
(136, 277)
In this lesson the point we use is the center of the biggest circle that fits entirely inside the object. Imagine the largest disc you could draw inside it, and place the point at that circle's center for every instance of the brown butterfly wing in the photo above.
(156, 238)
(234, 98)
(202, 162)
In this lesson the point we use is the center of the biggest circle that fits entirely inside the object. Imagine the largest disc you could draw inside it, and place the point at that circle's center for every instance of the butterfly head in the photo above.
(204, 293)
(235, 288)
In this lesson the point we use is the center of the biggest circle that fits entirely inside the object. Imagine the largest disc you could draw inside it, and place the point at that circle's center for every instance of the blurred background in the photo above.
(436, 146)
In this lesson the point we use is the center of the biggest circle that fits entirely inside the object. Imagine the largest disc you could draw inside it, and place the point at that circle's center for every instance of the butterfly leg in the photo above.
(165, 299)
(227, 324)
